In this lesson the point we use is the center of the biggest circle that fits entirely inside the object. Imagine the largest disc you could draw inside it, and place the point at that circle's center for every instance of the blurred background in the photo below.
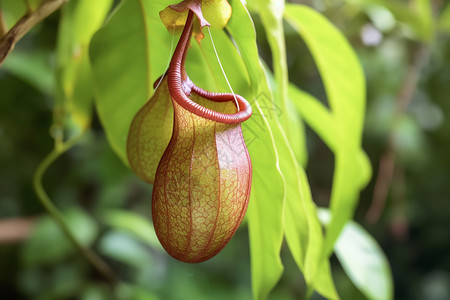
(406, 206)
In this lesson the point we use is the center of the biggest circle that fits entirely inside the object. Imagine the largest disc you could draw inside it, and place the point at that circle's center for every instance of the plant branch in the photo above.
(101, 266)
(387, 161)
(28, 21)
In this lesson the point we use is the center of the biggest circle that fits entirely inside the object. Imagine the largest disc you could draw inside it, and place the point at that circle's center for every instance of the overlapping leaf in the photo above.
(363, 260)
(302, 228)
(74, 83)
(126, 56)
(268, 188)
(444, 19)
(340, 128)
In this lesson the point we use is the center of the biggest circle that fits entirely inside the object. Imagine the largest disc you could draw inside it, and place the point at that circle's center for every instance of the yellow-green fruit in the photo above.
(216, 12)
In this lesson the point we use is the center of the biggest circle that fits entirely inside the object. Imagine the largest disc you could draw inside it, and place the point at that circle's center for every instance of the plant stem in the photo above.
(28, 21)
(90, 255)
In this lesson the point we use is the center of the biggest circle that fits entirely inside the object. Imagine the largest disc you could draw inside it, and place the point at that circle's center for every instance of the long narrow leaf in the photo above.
(74, 79)
(345, 88)
(268, 187)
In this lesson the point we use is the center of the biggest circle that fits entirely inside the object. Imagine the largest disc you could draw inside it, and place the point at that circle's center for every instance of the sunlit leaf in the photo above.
(322, 121)
(444, 19)
(303, 231)
(203, 55)
(271, 13)
(424, 10)
(363, 260)
(344, 84)
(126, 56)
(302, 228)
(267, 194)
(12, 11)
(74, 82)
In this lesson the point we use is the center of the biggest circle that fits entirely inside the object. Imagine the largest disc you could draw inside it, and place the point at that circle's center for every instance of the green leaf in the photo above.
(135, 292)
(302, 228)
(12, 11)
(271, 13)
(296, 134)
(126, 57)
(321, 120)
(33, 67)
(363, 260)
(444, 19)
(345, 88)
(34, 4)
(73, 73)
(135, 224)
(95, 292)
(48, 244)
(268, 186)
(424, 10)
(202, 60)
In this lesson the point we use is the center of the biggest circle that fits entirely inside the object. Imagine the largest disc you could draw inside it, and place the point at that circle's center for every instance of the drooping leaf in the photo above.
(302, 228)
(268, 186)
(271, 13)
(126, 59)
(345, 88)
(74, 82)
(363, 260)
(424, 10)
(322, 121)
(444, 19)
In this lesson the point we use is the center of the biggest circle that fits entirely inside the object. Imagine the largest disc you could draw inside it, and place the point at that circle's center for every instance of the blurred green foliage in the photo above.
(108, 208)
